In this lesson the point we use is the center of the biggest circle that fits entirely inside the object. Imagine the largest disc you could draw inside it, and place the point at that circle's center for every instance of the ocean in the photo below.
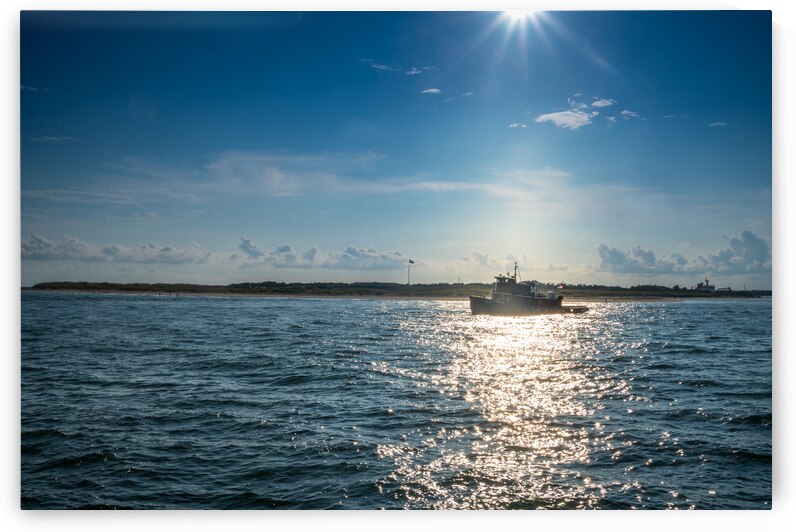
(191, 402)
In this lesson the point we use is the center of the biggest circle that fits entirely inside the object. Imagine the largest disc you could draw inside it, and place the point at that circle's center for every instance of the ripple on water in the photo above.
(192, 402)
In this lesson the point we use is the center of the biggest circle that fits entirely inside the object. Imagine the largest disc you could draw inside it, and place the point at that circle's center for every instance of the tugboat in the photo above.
(512, 297)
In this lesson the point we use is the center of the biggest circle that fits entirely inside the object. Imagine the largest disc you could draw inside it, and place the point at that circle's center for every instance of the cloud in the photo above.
(677, 115)
(516, 125)
(627, 115)
(285, 256)
(573, 119)
(431, 91)
(51, 139)
(576, 117)
(611, 120)
(480, 261)
(283, 174)
(29, 88)
(745, 253)
(470, 93)
(37, 247)
(250, 249)
(413, 71)
(718, 124)
(379, 66)
(603, 102)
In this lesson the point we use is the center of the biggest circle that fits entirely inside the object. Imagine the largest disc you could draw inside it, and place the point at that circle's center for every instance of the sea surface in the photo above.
(165, 402)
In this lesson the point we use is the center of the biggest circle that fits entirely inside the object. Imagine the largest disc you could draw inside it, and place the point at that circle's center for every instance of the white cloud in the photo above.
(379, 66)
(431, 91)
(413, 71)
(29, 88)
(572, 119)
(603, 102)
(250, 249)
(37, 247)
(516, 125)
(745, 253)
(470, 93)
(627, 115)
(677, 115)
(611, 120)
(480, 261)
(351, 258)
(718, 124)
(578, 115)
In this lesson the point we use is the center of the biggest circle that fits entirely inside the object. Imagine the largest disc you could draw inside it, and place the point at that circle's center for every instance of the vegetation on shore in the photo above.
(389, 289)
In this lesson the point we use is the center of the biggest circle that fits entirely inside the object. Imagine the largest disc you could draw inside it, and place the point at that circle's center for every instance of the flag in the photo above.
(560, 285)
(411, 261)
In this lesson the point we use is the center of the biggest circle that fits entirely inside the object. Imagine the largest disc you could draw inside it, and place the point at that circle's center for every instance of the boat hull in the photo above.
(520, 306)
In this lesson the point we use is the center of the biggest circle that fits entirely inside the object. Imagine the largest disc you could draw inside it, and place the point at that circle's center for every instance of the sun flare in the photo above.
(519, 15)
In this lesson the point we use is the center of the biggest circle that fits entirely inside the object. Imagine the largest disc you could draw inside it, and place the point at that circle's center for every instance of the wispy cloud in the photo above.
(576, 117)
(627, 114)
(572, 119)
(603, 102)
(29, 88)
(431, 91)
(51, 139)
(677, 115)
(37, 247)
(470, 93)
(516, 125)
(718, 124)
(745, 253)
(412, 71)
(380, 66)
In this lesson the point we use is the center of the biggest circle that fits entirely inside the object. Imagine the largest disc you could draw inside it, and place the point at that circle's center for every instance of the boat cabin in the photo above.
(510, 284)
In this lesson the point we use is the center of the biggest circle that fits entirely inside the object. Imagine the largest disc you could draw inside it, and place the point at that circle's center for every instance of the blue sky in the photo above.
(596, 147)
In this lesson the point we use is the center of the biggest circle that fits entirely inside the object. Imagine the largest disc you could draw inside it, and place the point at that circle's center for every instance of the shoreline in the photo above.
(575, 299)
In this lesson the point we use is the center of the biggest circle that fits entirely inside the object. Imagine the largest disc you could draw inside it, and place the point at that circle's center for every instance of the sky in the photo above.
(610, 147)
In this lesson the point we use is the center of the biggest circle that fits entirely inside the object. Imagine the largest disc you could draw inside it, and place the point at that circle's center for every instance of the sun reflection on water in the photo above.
(524, 379)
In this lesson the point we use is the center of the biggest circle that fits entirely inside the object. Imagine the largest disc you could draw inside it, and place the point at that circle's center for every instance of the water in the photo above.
(203, 402)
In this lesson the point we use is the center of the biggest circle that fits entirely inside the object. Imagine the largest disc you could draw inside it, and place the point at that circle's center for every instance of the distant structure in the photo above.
(705, 287)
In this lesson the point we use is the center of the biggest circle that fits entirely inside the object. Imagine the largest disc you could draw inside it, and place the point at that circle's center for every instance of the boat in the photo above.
(513, 297)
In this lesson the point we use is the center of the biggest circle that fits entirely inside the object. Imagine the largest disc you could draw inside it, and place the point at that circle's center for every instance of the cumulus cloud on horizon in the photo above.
(37, 247)
(285, 256)
(745, 253)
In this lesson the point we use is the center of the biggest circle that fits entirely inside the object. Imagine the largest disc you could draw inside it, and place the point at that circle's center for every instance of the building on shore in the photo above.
(705, 287)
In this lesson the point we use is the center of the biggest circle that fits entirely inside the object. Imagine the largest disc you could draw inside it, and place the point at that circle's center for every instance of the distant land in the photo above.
(435, 290)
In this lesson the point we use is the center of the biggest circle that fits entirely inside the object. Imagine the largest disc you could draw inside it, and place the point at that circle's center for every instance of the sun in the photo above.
(519, 21)
(519, 16)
